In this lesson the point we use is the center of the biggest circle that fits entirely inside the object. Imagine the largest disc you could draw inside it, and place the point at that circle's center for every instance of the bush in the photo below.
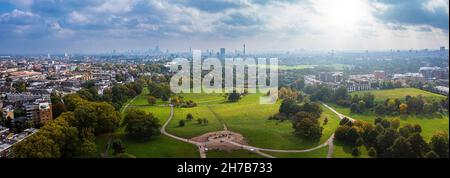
(181, 123)
(141, 125)
(372, 152)
(189, 117)
(356, 152)
(346, 121)
(118, 147)
(308, 128)
(151, 100)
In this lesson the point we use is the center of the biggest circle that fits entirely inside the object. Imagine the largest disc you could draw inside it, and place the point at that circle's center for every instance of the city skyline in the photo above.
(28, 26)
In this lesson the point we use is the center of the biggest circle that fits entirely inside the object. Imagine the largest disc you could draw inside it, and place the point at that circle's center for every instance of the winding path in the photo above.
(201, 146)
(258, 150)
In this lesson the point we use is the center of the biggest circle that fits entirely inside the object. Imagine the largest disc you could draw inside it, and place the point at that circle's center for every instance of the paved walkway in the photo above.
(258, 150)
(201, 146)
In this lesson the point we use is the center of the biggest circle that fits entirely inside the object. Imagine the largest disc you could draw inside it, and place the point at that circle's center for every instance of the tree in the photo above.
(101, 117)
(141, 125)
(369, 99)
(341, 132)
(379, 109)
(88, 94)
(385, 123)
(37, 146)
(308, 128)
(417, 128)
(58, 109)
(151, 100)
(299, 83)
(428, 108)
(346, 121)
(118, 147)
(354, 108)
(189, 117)
(439, 144)
(372, 152)
(325, 121)
(403, 108)
(234, 97)
(359, 142)
(289, 107)
(160, 90)
(181, 123)
(431, 154)
(401, 149)
(391, 105)
(56, 139)
(175, 101)
(395, 123)
(356, 152)
(287, 93)
(418, 145)
(20, 86)
(205, 121)
(361, 106)
(313, 108)
(341, 93)
(87, 149)
(386, 140)
(72, 101)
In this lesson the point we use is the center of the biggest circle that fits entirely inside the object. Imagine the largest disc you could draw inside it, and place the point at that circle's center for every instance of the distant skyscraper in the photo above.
(222, 53)
(244, 50)
(48, 56)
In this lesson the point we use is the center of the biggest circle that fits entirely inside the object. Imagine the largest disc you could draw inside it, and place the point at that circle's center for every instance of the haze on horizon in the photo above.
(93, 26)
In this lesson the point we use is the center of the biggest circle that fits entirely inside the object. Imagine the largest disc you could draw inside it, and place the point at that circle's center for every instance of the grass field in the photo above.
(338, 67)
(250, 118)
(319, 153)
(342, 150)
(247, 117)
(233, 154)
(159, 147)
(399, 93)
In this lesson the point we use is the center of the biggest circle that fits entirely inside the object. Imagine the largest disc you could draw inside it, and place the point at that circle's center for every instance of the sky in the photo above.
(95, 26)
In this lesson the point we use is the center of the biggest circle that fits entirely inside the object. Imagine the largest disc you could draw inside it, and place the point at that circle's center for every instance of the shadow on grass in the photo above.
(346, 148)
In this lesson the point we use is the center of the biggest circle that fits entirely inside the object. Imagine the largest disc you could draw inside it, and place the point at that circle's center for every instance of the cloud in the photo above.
(214, 23)
(433, 13)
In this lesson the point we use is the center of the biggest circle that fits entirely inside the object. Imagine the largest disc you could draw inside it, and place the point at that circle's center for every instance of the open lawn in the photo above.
(250, 118)
(342, 150)
(232, 154)
(193, 128)
(159, 147)
(399, 93)
(247, 117)
(338, 67)
(319, 153)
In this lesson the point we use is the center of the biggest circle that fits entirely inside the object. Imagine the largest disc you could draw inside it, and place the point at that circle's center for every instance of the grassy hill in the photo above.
(399, 93)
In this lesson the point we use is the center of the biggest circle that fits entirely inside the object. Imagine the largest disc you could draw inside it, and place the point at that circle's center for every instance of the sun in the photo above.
(343, 13)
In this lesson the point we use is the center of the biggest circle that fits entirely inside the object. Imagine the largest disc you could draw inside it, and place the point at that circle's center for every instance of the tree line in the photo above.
(386, 139)
(72, 134)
